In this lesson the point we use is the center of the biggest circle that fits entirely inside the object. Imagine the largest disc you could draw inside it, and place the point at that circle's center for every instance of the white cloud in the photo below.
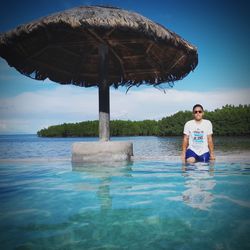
(31, 111)
(154, 104)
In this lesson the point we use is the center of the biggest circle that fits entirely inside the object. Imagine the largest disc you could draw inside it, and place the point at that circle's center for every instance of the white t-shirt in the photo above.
(198, 132)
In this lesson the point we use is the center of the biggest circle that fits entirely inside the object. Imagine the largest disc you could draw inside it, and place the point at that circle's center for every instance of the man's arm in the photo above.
(184, 147)
(211, 146)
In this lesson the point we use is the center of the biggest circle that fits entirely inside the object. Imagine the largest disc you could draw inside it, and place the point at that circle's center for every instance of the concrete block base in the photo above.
(102, 151)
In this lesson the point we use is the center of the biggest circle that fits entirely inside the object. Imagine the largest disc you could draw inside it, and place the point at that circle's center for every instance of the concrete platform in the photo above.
(102, 151)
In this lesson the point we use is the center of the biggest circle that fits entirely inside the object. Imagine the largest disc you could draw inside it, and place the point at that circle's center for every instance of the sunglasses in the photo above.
(198, 111)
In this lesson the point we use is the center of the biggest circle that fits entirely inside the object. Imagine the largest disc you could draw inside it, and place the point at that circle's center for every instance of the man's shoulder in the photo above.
(207, 124)
(187, 127)
(189, 122)
(207, 121)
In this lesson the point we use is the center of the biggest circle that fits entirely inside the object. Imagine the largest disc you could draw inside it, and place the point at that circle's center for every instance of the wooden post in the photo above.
(104, 109)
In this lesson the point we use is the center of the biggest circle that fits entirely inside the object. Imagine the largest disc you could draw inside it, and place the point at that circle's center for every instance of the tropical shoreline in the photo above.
(228, 121)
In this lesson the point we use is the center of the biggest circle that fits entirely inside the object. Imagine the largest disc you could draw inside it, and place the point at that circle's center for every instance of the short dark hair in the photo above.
(197, 105)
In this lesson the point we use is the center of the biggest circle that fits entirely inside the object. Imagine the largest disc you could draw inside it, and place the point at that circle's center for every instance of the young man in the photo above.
(197, 143)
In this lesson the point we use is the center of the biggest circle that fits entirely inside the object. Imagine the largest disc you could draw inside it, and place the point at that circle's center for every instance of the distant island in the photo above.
(229, 120)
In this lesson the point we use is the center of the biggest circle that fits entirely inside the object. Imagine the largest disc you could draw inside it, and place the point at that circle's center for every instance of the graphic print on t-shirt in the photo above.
(197, 133)
(198, 136)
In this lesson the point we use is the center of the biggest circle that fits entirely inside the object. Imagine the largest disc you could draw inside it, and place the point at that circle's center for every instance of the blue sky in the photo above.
(219, 29)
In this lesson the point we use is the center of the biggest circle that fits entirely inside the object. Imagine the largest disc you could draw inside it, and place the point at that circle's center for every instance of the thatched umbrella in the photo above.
(98, 46)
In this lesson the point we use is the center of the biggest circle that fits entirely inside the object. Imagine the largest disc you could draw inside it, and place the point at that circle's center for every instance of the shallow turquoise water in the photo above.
(142, 205)
(48, 203)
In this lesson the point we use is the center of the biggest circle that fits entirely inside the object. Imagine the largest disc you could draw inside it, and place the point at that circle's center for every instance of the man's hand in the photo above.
(184, 148)
(211, 147)
(183, 157)
(212, 157)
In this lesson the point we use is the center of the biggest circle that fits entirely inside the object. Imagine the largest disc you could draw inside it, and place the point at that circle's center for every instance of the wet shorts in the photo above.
(200, 158)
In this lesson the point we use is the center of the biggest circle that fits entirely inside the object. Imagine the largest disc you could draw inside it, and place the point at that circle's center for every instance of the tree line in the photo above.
(229, 120)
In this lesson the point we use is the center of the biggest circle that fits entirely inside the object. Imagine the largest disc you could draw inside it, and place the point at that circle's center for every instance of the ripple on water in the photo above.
(143, 205)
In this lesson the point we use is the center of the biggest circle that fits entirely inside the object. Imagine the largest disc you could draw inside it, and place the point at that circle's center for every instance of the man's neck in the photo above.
(198, 121)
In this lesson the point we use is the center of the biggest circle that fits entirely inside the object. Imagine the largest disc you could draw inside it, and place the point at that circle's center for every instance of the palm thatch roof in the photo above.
(63, 47)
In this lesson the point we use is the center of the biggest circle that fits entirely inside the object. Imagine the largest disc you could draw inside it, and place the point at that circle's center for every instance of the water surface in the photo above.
(145, 147)
(145, 204)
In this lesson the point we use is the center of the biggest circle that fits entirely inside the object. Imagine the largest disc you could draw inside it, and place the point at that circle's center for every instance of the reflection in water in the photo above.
(104, 173)
(199, 183)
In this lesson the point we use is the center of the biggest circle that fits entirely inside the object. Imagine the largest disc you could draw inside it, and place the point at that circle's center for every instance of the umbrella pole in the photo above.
(104, 106)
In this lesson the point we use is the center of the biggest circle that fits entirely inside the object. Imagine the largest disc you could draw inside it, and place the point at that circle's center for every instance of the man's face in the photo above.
(198, 113)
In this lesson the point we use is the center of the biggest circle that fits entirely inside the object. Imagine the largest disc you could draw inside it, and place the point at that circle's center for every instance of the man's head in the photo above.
(198, 112)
